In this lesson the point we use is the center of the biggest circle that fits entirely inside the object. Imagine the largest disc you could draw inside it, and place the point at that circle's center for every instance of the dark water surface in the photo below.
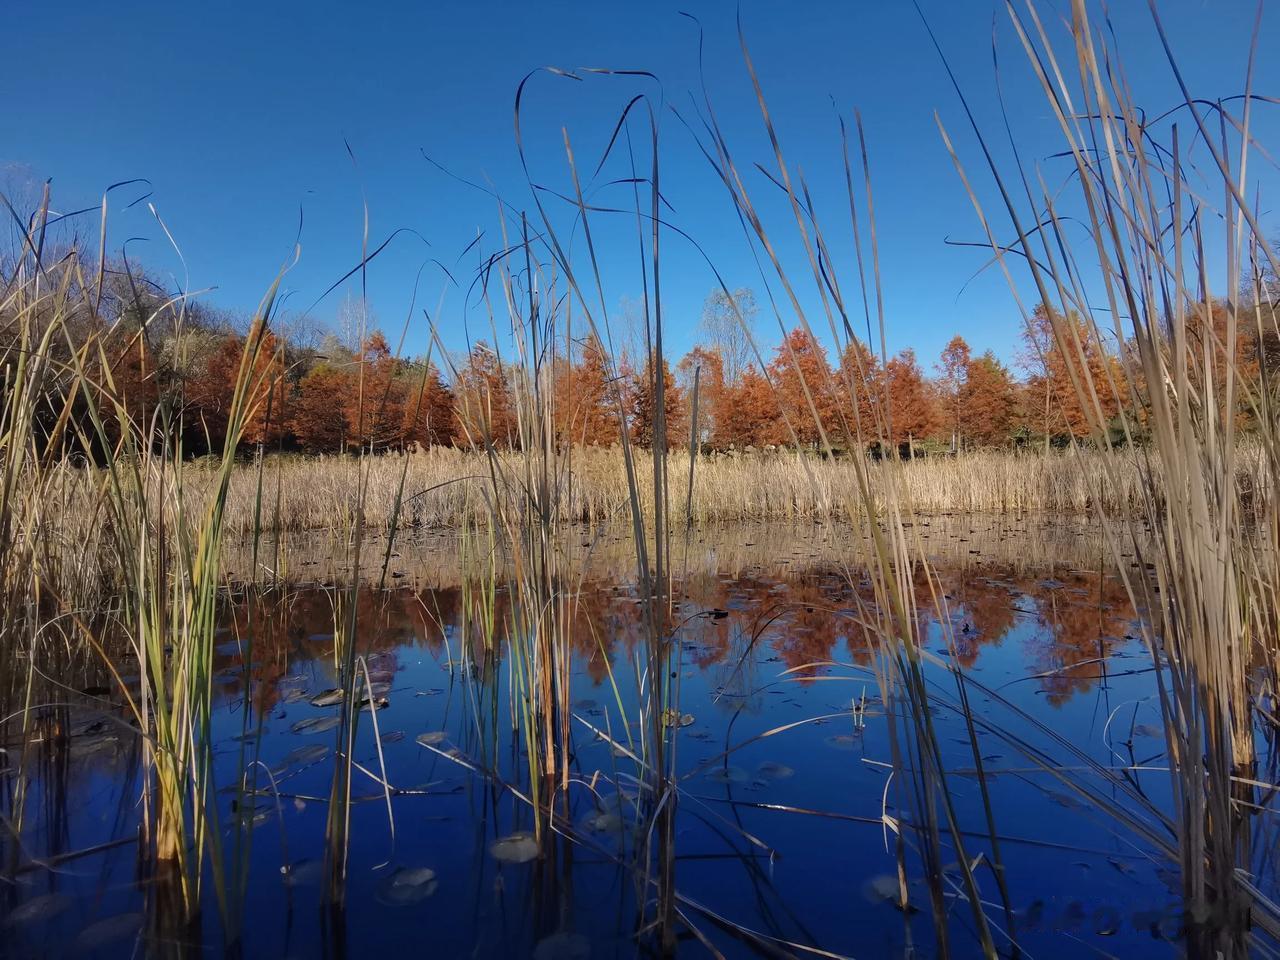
(785, 836)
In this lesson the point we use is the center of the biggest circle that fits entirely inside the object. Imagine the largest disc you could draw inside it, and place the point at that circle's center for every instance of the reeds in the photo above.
(443, 488)
(150, 528)
(1160, 199)
(133, 517)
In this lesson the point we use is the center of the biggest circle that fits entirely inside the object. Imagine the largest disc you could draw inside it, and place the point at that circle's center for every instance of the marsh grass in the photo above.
(443, 488)
(1204, 549)
(1153, 223)
(165, 550)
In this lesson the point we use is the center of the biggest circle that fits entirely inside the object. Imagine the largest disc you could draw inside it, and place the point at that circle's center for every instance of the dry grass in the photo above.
(447, 487)
(321, 494)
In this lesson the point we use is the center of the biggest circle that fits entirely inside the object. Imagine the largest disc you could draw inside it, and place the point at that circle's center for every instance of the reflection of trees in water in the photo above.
(1081, 617)
(801, 620)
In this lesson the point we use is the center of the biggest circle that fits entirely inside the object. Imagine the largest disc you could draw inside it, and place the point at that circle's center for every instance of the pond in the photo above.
(783, 836)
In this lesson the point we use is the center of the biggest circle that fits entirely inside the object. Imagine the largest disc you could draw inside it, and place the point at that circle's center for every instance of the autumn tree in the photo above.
(318, 418)
(709, 366)
(129, 386)
(1065, 357)
(485, 405)
(643, 398)
(211, 392)
(805, 387)
(376, 406)
(748, 412)
(586, 411)
(913, 413)
(862, 386)
(1214, 349)
(430, 419)
(988, 399)
(953, 369)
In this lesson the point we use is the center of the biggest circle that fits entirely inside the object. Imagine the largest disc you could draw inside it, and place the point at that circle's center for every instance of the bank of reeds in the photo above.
(1153, 204)
(1209, 580)
(443, 487)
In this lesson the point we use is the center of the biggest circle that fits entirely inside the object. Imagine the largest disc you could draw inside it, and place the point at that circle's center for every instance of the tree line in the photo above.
(337, 397)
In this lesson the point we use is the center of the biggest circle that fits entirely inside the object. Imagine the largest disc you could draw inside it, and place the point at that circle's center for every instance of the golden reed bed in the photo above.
(445, 486)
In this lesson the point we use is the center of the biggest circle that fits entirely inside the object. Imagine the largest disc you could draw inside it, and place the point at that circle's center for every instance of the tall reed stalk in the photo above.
(1162, 198)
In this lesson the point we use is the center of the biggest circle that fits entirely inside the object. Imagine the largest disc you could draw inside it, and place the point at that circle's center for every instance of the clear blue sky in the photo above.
(237, 114)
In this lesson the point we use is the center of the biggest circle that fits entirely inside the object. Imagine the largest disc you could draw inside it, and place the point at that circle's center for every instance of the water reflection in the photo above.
(777, 843)
(1070, 624)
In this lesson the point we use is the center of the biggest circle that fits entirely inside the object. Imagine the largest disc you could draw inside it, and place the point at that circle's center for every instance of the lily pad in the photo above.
(842, 741)
(328, 698)
(882, 888)
(109, 930)
(408, 885)
(519, 847)
(674, 718)
(38, 909)
(302, 873)
(605, 821)
(772, 770)
(308, 754)
(314, 725)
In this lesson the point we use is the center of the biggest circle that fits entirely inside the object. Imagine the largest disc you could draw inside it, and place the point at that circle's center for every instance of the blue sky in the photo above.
(238, 113)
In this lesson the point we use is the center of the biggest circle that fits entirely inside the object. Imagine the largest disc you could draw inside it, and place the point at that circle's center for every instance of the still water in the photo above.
(783, 842)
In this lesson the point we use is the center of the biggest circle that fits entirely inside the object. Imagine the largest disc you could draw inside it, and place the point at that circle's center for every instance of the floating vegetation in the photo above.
(407, 885)
(109, 930)
(674, 718)
(328, 698)
(306, 872)
(38, 909)
(843, 741)
(772, 770)
(541, 516)
(519, 847)
(310, 753)
(314, 725)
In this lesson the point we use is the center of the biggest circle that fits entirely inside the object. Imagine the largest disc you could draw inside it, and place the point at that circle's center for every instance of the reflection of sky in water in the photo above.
(783, 837)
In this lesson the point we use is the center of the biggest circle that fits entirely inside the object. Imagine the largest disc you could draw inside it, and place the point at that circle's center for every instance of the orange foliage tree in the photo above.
(318, 418)
(429, 410)
(711, 387)
(1064, 356)
(585, 409)
(1215, 352)
(801, 374)
(953, 369)
(988, 400)
(211, 392)
(643, 399)
(376, 405)
(913, 411)
(862, 386)
(134, 391)
(747, 411)
(485, 406)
